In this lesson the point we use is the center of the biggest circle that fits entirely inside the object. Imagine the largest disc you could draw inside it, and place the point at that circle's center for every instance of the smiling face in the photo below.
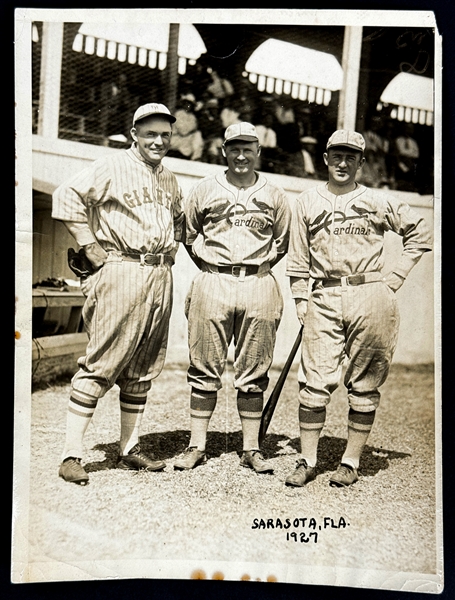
(153, 137)
(241, 157)
(343, 163)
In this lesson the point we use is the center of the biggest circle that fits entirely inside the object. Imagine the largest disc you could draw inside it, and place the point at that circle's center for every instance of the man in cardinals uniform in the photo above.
(350, 309)
(237, 226)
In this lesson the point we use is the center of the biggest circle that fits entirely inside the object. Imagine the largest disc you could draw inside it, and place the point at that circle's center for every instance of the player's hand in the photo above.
(96, 255)
(301, 305)
(393, 280)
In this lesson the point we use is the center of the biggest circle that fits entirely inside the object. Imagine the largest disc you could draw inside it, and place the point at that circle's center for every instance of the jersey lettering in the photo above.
(133, 200)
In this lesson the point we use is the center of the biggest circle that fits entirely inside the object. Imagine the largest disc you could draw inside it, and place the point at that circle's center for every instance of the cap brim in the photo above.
(170, 118)
(243, 138)
(345, 146)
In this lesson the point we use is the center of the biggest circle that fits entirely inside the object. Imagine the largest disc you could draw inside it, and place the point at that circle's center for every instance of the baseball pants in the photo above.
(126, 314)
(222, 308)
(356, 323)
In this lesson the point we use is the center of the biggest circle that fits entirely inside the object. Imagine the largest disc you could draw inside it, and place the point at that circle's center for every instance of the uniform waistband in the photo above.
(147, 258)
(236, 270)
(357, 279)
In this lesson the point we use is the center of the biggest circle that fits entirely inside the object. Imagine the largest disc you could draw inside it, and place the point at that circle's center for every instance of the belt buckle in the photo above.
(145, 260)
(355, 279)
(235, 271)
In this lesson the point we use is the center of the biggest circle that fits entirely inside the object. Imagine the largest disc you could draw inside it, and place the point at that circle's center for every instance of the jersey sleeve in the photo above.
(193, 220)
(411, 226)
(72, 200)
(179, 217)
(282, 223)
(298, 258)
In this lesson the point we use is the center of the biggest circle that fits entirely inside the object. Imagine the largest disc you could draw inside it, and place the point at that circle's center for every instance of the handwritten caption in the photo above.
(301, 529)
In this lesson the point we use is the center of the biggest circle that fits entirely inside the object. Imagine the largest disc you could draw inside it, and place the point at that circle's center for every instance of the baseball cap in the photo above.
(153, 108)
(241, 131)
(344, 137)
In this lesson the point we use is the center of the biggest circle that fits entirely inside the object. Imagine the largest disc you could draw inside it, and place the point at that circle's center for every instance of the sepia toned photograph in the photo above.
(227, 320)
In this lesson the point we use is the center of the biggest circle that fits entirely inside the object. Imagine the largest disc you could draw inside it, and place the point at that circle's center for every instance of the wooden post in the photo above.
(172, 66)
(352, 49)
(50, 78)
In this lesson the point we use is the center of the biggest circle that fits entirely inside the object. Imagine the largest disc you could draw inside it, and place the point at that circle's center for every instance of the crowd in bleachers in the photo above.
(292, 134)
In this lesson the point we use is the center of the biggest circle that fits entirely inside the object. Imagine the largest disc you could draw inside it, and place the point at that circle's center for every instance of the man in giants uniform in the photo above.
(337, 240)
(126, 212)
(237, 229)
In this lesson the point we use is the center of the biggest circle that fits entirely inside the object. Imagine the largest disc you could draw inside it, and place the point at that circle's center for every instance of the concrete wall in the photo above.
(56, 160)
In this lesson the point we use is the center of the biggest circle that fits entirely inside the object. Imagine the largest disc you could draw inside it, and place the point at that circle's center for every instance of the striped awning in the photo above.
(411, 98)
(142, 44)
(304, 74)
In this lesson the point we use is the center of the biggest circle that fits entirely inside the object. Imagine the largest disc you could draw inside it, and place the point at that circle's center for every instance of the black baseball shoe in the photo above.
(137, 461)
(345, 475)
(302, 474)
(253, 459)
(71, 470)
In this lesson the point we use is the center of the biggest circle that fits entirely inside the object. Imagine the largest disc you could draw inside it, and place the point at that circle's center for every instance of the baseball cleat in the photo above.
(345, 475)
(137, 461)
(190, 459)
(71, 470)
(253, 459)
(302, 474)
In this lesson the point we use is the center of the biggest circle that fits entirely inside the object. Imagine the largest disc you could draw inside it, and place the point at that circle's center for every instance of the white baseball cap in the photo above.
(350, 139)
(241, 131)
(151, 109)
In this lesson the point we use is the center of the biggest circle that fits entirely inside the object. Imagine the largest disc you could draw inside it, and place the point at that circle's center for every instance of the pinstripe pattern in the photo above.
(129, 206)
(228, 225)
(337, 236)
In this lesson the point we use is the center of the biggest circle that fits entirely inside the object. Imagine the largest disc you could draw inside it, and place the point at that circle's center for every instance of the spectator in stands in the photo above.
(288, 140)
(187, 141)
(220, 87)
(267, 141)
(374, 171)
(309, 144)
(211, 128)
(406, 159)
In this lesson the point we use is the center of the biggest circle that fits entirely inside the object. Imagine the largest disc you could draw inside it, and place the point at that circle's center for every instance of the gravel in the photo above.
(385, 522)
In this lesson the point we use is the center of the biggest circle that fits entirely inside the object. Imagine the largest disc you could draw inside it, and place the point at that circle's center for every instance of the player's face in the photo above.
(241, 156)
(153, 138)
(343, 164)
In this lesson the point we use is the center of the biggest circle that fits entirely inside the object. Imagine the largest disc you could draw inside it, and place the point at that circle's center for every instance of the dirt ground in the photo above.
(219, 512)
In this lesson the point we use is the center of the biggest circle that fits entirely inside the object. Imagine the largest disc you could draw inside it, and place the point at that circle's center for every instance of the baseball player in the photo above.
(125, 211)
(350, 310)
(237, 226)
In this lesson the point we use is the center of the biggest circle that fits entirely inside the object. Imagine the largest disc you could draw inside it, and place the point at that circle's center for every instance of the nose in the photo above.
(342, 163)
(240, 157)
(158, 140)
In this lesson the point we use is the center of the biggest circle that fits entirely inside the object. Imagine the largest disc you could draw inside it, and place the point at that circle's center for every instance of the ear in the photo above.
(223, 151)
(361, 163)
(259, 150)
(326, 160)
(133, 133)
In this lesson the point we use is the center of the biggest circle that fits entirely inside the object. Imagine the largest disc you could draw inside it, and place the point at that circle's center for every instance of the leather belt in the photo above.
(148, 259)
(350, 280)
(236, 270)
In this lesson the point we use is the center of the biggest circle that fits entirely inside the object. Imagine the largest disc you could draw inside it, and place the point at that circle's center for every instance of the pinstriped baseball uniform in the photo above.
(229, 226)
(334, 237)
(130, 207)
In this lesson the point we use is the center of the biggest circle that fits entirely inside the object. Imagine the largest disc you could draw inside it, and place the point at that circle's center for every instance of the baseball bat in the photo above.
(269, 408)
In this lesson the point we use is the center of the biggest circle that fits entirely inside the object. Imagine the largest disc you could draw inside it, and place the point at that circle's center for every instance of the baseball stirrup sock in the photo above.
(80, 411)
(131, 411)
(202, 405)
(311, 423)
(359, 427)
(249, 405)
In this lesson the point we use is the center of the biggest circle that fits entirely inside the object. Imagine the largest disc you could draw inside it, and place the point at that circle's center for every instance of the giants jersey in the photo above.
(129, 205)
(228, 225)
(335, 236)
